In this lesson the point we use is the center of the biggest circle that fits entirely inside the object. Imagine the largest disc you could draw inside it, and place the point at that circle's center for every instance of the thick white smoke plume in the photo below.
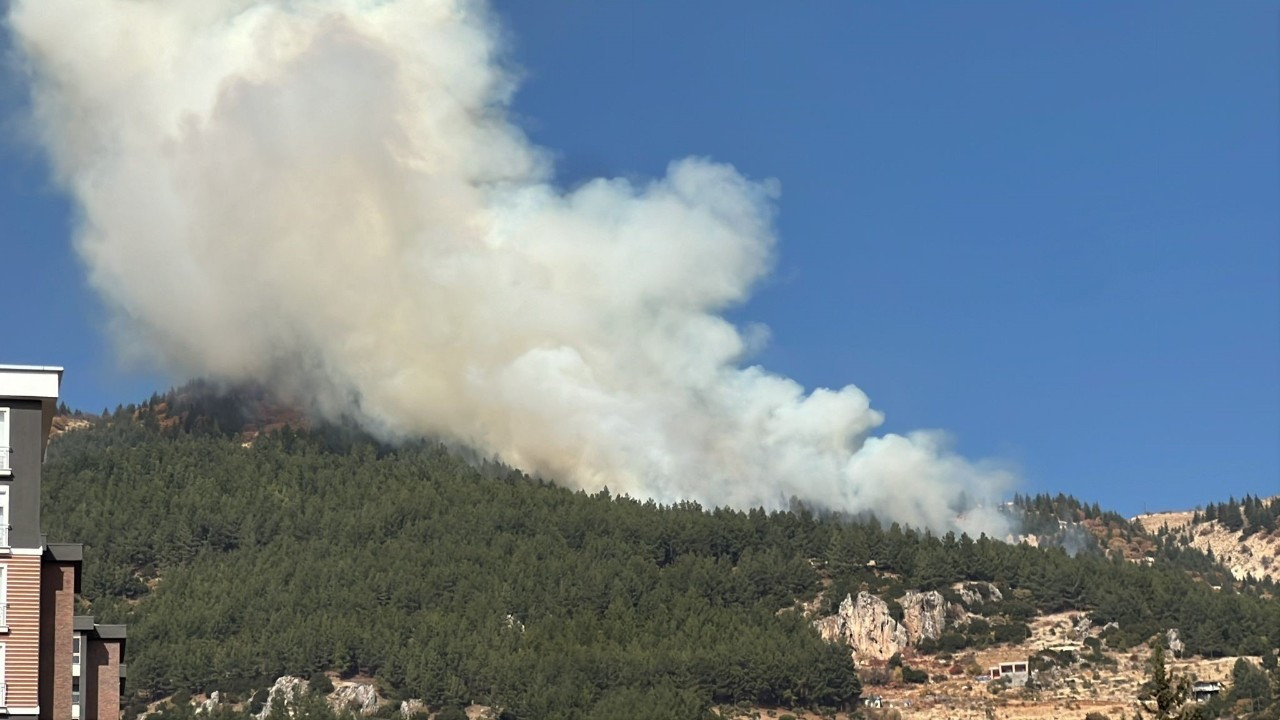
(329, 196)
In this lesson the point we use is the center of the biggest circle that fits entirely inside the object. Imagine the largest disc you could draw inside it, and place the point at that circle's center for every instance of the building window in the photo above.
(75, 689)
(4, 441)
(75, 649)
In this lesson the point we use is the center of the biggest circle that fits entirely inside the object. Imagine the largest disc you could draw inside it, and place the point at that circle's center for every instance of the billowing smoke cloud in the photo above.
(329, 196)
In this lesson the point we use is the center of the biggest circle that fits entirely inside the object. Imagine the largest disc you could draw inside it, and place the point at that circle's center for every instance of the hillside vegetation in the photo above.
(448, 582)
(456, 582)
(1243, 536)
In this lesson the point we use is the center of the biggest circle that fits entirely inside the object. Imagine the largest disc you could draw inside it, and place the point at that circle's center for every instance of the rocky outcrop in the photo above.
(976, 593)
(1082, 628)
(411, 707)
(1174, 642)
(359, 698)
(866, 626)
(356, 697)
(287, 688)
(212, 703)
(924, 615)
(67, 423)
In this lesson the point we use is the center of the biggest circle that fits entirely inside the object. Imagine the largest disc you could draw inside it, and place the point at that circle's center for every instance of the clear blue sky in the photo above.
(1052, 229)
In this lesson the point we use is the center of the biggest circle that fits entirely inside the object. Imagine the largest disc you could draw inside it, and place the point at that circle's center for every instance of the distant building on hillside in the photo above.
(53, 665)
(1017, 672)
(1205, 691)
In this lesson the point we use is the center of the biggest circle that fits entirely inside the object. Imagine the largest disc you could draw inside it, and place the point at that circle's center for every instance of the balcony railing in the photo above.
(4, 537)
(4, 460)
(4, 695)
(4, 616)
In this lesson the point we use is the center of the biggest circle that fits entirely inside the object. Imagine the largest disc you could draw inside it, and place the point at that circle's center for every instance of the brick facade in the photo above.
(103, 680)
(57, 612)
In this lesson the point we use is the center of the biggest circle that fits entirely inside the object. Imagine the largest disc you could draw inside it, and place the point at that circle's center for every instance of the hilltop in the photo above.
(1243, 536)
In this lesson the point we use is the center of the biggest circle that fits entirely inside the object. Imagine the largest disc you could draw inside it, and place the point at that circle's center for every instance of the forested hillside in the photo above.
(446, 581)
(455, 582)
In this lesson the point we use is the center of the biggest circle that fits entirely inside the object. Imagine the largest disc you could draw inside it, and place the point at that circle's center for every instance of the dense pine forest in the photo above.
(458, 581)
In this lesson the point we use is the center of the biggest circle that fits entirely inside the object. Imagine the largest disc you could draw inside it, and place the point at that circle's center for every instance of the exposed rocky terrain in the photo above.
(68, 423)
(1074, 671)
(359, 696)
(1256, 554)
(866, 626)
(1079, 681)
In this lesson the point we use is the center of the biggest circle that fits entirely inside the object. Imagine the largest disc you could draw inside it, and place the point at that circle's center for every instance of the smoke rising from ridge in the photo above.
(330, 197)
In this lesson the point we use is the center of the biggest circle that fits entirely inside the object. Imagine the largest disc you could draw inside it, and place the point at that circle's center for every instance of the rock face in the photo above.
(356, 697)
(1082, 627)
(1174, 641)
(924, 615)
(412, 706)
(976, 593)
(287, 688)
(208, 706)
(866, 626)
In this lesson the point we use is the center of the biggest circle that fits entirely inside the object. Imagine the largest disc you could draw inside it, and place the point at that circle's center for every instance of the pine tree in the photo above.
(1168, 694)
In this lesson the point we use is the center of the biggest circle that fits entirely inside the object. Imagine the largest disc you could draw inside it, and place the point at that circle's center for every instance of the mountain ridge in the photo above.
(237, 562)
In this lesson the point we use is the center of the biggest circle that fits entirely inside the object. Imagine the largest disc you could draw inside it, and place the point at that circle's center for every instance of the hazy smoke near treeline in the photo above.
(330, 197)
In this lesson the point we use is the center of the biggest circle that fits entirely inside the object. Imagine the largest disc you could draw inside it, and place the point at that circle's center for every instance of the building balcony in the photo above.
(4, 698)
(5, 468)
(4, 618)
(4, 539)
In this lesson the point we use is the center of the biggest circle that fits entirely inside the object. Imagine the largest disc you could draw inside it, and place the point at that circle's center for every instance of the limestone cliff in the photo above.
(357, 698)
(287, 689)
(973, 594)
(866, 626)
(924, 615)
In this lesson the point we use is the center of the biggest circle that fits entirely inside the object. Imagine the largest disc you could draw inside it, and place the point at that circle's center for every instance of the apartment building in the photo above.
(53, 664)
